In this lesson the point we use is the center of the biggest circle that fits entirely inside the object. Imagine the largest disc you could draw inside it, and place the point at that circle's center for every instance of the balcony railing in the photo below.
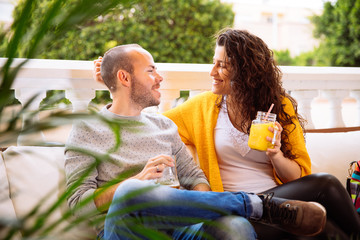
(305, 84)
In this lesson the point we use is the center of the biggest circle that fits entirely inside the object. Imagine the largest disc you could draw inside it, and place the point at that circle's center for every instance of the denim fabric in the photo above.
(142, 209)
(223, 228)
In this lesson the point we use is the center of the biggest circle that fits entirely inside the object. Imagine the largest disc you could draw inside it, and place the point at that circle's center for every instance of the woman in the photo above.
(246, 79)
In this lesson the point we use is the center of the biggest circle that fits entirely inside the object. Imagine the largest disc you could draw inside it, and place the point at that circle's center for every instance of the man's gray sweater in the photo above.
(142, 137)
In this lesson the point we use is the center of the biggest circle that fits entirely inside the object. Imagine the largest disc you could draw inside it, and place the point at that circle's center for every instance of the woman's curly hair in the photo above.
(256, 83)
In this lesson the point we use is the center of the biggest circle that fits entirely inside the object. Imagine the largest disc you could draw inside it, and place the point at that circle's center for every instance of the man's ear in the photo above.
(124, 78)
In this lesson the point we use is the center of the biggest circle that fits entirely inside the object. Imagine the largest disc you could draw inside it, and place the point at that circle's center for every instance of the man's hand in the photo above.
(154, 167)
(97, 72)
(152, 170)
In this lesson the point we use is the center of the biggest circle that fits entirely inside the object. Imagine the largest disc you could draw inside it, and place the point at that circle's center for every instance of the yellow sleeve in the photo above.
(297, 142)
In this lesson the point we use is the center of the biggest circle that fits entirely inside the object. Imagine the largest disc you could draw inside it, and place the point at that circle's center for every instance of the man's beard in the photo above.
(142, 96)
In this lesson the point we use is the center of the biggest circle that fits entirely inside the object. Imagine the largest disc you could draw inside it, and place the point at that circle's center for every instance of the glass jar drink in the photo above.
(259, 130)
(169, 177)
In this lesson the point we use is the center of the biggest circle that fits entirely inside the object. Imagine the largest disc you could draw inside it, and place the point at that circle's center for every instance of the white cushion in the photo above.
(333, 152)
(7, 211)
(36, 177)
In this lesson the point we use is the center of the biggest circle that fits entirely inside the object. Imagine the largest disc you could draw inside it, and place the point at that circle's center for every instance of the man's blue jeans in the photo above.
(145, 210)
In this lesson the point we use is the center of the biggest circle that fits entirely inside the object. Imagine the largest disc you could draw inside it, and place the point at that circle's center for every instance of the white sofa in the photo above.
(31, 175)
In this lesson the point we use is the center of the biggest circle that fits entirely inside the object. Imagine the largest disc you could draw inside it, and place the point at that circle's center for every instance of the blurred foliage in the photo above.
(283, 57)
(311, 58)
(41, 28)
(177, 31)
(29, 37)
(50, 95)
(29, 42)
(338, 29)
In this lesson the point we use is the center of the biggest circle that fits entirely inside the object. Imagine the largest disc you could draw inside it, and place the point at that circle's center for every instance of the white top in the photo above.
(241, 168)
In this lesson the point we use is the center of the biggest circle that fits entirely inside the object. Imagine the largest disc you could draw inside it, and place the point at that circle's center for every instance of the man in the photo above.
(147, 143)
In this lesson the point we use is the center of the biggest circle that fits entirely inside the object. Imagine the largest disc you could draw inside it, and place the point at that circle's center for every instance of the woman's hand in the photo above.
(155, 167)
(286, 169)
(97, 72)
(276, 141)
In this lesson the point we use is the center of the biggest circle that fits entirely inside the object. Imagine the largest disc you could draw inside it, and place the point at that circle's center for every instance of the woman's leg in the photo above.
(327, 190)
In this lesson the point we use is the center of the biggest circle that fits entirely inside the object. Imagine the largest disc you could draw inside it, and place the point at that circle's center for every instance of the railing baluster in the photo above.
(304, 99)
(80, 98)
(24, 95)
(335, 98)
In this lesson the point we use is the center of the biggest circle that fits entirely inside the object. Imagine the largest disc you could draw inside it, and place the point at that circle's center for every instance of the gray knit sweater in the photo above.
(142, 137)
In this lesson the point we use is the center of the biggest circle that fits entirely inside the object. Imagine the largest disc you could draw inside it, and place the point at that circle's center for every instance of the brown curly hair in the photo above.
(256, 83)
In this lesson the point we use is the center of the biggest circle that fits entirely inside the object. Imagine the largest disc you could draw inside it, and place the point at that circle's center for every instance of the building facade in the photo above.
(282, 24)
(6, 9)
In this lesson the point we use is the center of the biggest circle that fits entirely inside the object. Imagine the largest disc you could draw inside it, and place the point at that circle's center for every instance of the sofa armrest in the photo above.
(36, 178)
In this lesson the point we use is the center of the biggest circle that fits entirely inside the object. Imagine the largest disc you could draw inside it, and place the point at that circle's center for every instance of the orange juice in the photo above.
(258, 134)
(175, 184)
(259, 130)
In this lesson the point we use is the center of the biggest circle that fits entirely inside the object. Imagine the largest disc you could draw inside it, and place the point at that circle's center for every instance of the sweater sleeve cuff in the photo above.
(199, 181)
(86, 205)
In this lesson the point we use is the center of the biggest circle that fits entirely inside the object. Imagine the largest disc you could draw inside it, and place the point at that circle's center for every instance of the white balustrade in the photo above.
(333, 83)
(75, 77)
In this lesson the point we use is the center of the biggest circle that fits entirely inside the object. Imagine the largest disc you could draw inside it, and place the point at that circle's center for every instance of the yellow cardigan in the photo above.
(196, 120)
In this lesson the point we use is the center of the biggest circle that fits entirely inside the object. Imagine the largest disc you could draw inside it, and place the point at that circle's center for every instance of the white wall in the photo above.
(282, 24)
(6, 8)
